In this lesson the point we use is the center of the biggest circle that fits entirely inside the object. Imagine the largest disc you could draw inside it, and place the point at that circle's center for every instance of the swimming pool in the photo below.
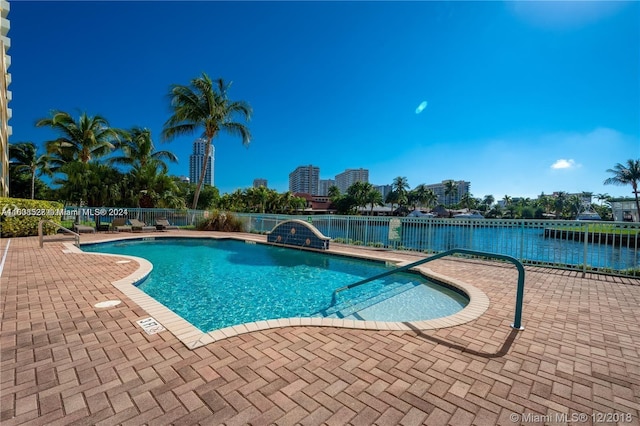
(220, 283)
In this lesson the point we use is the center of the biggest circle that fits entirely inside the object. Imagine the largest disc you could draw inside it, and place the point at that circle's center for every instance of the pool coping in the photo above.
(193, 338)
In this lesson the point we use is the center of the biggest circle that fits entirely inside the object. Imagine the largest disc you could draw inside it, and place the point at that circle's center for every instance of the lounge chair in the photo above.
(164, 225)
(84, 228)
(138, 225)
(120, 224)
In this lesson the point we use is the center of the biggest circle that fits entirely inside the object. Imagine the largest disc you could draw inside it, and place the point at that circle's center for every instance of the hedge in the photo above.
(20, 217)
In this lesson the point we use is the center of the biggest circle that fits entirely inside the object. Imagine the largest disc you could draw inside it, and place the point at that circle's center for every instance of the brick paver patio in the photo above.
(65, 362)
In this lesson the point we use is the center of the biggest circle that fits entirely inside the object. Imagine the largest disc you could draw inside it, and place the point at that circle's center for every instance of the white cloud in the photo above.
(564, 164)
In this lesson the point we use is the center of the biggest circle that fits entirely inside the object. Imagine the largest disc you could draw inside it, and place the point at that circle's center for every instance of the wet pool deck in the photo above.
(64, 362)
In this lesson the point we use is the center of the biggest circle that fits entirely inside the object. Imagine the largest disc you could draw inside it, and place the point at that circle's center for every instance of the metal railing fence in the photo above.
(604, 247)
(105, 215)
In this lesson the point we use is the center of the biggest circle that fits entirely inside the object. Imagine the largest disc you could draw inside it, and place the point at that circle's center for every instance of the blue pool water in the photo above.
(220, 283)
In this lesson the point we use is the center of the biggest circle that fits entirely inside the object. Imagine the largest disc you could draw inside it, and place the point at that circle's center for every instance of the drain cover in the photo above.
(107, 304)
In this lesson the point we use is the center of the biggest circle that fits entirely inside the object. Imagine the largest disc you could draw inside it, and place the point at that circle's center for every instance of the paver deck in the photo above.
(63, 361)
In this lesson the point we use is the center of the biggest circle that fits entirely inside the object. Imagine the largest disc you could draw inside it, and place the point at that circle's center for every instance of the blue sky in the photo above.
(522, 97)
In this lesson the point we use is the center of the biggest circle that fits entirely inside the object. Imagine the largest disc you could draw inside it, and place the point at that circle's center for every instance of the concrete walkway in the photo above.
(65, 362)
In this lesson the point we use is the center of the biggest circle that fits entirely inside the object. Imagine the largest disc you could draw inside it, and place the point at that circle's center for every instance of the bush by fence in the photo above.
(20, 217)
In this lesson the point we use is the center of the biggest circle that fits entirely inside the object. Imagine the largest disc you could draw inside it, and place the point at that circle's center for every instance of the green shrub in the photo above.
(20, 217)
(220, 221)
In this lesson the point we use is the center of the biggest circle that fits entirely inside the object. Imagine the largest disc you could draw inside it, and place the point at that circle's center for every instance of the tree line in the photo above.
(93, 164)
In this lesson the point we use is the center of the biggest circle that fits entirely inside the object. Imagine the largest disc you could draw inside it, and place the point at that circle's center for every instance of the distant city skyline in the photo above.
(517, 97)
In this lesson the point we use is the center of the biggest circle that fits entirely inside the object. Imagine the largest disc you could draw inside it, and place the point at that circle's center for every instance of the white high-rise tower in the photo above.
(197, 158)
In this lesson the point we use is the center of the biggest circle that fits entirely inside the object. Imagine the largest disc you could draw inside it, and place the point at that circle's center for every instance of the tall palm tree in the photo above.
(602, 197)
(430, 198)
(450, 188)
(358, 192)
(419, 195)
(400, 186)
(626, 174)
(82, 140)
(25, 157)
(488, 200)
(392, 198)
(204, 105)
(137, 148)
(373, 197)
(467, 201)
(333, 193)
(560, 203)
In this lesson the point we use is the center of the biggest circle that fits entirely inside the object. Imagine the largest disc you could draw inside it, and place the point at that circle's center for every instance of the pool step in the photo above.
(350, 306)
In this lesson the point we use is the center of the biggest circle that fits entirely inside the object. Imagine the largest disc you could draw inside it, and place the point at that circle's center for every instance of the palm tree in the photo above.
(602, 197)
(450, 188)
(559, 203)
(137, 147)
(467, 201)
(373, 197)
(488, 200)
(626, 174)
(392, 198)
(400, 186)
(573, 205)
(419, 195)
(430, 198)
(333, 193)
(204, 105)
(82, 140)
(153, 187)
(358, 191)
(25, 158)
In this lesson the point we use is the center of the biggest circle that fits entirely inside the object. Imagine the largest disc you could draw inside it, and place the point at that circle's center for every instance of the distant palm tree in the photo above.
(400, 186)
(626, 174)
(137, 147)
(488, 201)
(204, 105)
(82, 140)
(467, 201)
(560, 203)
(333, 193)
(430, 198)
(392, 198)
(602, 197)
(358, 191)
(25, 158)
(507, 200)
(450, 188)
(373, 197)
(418, 195)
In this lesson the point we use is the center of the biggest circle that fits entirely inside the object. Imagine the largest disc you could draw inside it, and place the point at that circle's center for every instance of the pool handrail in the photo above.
(517, 322)
(57, 225)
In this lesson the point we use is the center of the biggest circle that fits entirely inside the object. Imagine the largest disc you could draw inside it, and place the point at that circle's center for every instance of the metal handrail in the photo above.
(57, 225)
(517, 322)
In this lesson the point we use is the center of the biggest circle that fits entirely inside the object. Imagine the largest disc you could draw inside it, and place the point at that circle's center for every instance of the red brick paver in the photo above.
(63, 361)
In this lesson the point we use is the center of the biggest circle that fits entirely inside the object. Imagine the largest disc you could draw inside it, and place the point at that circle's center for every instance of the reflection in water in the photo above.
(528, 243)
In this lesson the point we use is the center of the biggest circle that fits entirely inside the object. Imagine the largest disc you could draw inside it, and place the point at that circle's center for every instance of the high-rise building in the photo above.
(324, 185)
(258, 182)
(5, 97)
(350, 176)
(304, 179)
(384, 190)
(452, 196)
(197, 159)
